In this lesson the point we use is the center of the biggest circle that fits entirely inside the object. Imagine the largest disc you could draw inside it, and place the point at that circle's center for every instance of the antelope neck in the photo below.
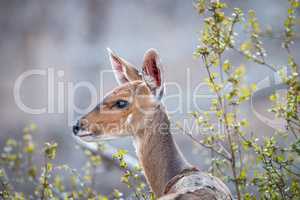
(158, 153)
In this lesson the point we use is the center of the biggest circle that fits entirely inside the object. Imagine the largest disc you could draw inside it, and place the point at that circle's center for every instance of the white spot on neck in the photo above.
(136, 144)
(129, 119)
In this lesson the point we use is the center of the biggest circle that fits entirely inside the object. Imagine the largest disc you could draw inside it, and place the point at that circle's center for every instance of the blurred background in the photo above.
(70, 39)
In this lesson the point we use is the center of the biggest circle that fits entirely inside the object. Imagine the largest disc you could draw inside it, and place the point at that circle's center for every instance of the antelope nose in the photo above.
(76, 128)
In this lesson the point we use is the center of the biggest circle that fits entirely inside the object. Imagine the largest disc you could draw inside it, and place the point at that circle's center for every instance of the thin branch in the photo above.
(204, 145)
(230, 141)
(261, 62)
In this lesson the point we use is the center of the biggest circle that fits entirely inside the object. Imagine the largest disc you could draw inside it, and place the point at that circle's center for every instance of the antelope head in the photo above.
(125, 110)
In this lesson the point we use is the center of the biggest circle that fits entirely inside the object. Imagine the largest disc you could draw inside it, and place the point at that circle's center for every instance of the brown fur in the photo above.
(106, 120)
(158, 153)
(146, 120)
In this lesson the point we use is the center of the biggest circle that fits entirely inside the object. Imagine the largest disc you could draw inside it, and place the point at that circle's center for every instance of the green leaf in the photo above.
(296, 147)
(50, 150)
(273, 97)
(226, 65)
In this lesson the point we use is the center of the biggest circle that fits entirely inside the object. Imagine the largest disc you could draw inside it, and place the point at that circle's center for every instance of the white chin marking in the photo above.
(91, 137)
(82, 133)
(87, 144)
(85, 136)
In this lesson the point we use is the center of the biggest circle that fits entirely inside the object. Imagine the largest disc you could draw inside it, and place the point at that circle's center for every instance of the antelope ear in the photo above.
(153, 73)
(123, 70)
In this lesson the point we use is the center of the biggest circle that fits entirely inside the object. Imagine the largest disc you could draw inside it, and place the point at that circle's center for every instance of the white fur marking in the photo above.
(135, 143)
(129, 119)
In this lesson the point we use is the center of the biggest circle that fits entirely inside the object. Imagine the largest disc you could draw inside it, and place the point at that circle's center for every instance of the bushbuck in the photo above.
(134, 109)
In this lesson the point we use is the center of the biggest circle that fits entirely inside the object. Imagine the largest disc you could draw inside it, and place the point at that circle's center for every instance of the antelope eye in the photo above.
(121, 104)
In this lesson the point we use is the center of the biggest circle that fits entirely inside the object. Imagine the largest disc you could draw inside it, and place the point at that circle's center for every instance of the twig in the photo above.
(224, 113)
(110, 150)
(204, 145)
(261, 62)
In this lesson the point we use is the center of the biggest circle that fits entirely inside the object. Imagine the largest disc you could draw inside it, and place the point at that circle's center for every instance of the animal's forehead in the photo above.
(127, 89)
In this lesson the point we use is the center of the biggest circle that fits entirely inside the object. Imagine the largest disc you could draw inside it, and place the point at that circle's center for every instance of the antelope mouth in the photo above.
(83, 134)
(90, 136)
